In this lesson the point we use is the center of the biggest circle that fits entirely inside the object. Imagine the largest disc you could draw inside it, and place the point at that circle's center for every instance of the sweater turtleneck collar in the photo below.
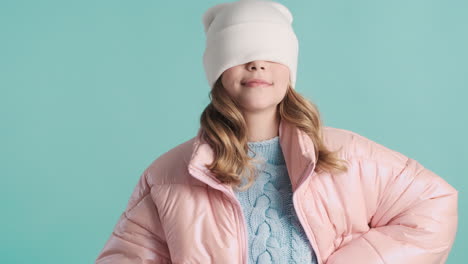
(270, 149)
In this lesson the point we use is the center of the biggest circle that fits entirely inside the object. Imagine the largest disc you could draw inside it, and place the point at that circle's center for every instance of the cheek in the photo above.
(286, 74)
(283, 80)
(229, 77)
(282, 74)
(230, 85)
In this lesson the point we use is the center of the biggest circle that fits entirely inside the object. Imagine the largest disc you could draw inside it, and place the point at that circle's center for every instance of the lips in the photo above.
(255, 82)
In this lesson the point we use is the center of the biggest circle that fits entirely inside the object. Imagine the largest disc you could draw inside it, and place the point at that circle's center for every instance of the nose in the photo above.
(256, 64)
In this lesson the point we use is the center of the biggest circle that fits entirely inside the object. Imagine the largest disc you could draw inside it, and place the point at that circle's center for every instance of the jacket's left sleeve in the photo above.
(415, 222)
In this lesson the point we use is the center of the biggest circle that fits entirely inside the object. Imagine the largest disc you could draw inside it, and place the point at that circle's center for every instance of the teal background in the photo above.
(93, 91)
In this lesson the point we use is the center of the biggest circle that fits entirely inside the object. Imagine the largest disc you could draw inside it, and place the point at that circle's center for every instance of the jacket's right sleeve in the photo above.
(137, 237)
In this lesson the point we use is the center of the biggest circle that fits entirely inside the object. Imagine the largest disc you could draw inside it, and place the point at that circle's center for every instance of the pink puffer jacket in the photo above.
(387, 208)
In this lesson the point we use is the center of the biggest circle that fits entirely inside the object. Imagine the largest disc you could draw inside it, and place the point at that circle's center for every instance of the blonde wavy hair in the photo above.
(224, 129)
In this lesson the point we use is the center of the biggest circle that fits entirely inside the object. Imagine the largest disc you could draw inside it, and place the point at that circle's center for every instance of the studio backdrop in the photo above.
(91, 92)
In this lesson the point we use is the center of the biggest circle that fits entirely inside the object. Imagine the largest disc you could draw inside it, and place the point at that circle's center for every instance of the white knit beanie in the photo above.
(246, 30)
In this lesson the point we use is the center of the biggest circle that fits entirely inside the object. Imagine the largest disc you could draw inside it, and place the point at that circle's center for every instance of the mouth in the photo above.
(255, 82)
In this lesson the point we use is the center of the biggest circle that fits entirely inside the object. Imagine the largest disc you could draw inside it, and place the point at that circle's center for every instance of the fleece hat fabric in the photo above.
(246, 30)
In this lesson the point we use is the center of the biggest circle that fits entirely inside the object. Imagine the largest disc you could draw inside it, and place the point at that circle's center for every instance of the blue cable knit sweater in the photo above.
(275, 233)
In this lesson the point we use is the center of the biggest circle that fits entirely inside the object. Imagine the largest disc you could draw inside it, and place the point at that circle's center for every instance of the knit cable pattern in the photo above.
(275, 234)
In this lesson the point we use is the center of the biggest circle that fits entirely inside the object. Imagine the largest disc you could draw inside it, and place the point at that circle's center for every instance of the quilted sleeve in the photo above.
(138, 236)
(415, 222)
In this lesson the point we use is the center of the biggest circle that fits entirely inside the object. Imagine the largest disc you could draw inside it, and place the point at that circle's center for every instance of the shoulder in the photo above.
(171, 166)
(352, 145)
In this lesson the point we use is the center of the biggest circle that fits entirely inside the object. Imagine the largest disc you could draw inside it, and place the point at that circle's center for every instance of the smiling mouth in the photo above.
(255, 84)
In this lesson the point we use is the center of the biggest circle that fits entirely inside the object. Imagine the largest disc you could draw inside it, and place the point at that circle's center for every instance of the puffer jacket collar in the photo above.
(298, 150)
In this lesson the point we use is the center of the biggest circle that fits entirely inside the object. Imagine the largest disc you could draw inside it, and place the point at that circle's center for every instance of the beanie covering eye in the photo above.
(246, 30)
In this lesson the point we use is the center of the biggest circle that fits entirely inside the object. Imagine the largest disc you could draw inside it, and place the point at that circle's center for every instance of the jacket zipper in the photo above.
(310, 235)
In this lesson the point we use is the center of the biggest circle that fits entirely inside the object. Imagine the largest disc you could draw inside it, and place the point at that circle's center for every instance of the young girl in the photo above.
(264, 181)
